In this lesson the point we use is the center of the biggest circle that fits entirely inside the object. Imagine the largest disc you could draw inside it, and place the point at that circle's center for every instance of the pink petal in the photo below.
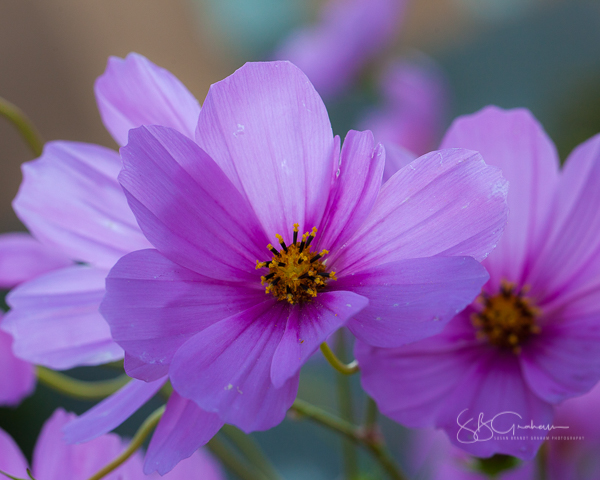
(515, 142)
(226, 368)
(307, 327)
(495, 385)
(563, 360)
(53, 459)
(87, 218)
(268, 129)
(134, 92)
(55, 322)
(144, 371)
(411, 383)
(568, 266)
(448, 202)
(154, 306)
(412, 299)
(22, 258)
(354, 191)
(111, 412)
(396, 158)
(200, 461)
(17, 378)
(347, 35)
(12, 461)
(187, 207)
(181, 431)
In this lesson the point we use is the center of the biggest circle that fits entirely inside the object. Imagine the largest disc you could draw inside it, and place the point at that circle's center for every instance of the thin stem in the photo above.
(22, 123)
(371, 413)
(78, 388)
(233, 462)
(347, 369)
(251, 450)
(136, 442)
(351, 468)
(338, 425)
(542, 462)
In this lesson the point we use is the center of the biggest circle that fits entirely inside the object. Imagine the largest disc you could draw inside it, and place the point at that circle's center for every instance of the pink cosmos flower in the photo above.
(55, 460)
(268, 239)
(532, 339)
(349, 33)
(72, 203)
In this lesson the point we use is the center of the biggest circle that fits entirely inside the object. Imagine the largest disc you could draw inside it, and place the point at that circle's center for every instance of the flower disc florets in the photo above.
(296, 273)
(507, 319)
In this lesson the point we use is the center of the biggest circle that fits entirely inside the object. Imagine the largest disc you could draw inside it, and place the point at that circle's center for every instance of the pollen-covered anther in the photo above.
(507, 319)
(296, 273)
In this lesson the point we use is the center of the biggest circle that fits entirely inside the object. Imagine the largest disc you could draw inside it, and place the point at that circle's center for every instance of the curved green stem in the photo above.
(78, 388)
(247, 446)
(347, 369)
(346, 408)
(233, 462)
(136, 442)
(22, 123)
(355, 434)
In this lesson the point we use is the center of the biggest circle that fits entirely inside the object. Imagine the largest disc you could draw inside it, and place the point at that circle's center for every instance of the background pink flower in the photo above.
(526, 345)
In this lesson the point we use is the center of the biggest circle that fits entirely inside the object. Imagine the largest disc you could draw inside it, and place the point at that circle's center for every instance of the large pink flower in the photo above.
(533, 337)
(55, 460)
(231, 317)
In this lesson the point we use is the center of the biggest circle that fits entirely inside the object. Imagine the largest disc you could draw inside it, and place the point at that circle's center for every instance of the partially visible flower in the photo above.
(17, 377)
(72, 203)
(414, 101)
(348, 34)
(268, 239)
(532, 339)
(55, 460)
(575, 456)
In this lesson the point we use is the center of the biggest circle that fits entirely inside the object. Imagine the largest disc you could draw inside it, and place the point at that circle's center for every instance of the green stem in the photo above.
(542, 462)
(338, 425)
(251, 451)
(351, 467)
(335, 362)
(136, 442)
(233, 462)
(78, 388)
(371, 414)
(22, 123)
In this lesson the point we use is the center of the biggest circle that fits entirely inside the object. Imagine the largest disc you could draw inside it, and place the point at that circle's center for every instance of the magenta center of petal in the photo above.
(296, 273)
(507, 319)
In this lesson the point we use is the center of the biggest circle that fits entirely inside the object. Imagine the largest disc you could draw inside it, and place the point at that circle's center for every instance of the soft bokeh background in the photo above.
(539, 54)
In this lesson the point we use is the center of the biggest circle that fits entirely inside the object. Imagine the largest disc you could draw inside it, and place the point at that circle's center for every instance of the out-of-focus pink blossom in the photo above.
(414, 103)
(348, 34)
(53, 459)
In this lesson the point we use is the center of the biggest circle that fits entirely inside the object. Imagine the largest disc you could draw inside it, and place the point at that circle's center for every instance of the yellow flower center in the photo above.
(507, 319)
(296, 273)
